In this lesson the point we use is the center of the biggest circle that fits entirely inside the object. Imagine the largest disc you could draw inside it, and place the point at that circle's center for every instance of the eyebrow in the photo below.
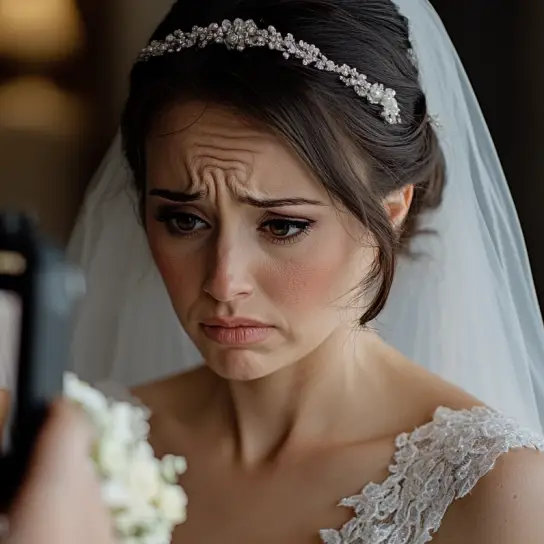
(183, 197)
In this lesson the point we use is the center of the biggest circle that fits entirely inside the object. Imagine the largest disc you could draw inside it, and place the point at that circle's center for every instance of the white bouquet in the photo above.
(141, 491)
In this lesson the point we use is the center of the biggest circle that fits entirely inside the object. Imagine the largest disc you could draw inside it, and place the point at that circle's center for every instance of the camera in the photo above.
(39, 291)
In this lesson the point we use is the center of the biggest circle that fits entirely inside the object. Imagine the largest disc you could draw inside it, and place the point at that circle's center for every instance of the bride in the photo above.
(297, 210)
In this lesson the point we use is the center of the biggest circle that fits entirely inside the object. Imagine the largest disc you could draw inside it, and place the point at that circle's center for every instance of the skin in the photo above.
(60, 502)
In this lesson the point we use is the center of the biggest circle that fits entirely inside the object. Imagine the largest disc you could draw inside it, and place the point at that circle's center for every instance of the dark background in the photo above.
(501, 45)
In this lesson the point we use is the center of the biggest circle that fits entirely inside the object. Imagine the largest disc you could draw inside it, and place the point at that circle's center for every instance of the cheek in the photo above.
(300, 282)
(180, 279)
(321, 274)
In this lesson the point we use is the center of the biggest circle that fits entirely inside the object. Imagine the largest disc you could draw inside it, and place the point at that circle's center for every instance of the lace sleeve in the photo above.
(433, 466)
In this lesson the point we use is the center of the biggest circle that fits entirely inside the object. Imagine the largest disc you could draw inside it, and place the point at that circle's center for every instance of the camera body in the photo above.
(39, 292)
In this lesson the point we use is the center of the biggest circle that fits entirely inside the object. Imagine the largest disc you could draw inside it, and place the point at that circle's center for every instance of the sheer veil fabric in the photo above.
(466, 308)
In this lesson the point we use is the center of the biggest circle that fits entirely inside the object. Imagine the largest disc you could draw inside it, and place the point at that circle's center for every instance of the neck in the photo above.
(300, 405)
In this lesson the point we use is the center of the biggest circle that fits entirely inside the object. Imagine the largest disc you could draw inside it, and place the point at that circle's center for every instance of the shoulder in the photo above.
(495, 470)
(470, 443)
(505, 507)
(159, 395)
(179, 394)
(444, 464)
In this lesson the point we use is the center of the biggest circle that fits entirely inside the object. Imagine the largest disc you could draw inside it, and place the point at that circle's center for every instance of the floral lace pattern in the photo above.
(433, 466)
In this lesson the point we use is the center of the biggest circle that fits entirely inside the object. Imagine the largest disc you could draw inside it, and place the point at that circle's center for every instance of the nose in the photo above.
(228, 275)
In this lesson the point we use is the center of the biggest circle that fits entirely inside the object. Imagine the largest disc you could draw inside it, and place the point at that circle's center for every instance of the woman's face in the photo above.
(259, 263)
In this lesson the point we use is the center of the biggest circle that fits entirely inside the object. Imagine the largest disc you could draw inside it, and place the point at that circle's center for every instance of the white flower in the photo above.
(94, 401)
(110, 456)
(141, 491)
(172, 467)
(144, 479)
(122, 423)
(115, 495)
(172, 503)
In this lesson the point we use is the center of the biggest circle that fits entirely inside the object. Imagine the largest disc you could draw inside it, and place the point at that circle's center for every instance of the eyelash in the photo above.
(169, 218)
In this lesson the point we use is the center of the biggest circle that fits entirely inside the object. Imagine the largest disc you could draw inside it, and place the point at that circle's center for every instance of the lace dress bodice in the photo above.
(433, 466)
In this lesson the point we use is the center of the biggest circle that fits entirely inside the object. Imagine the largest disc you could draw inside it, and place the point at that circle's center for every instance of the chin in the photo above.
(240, 365)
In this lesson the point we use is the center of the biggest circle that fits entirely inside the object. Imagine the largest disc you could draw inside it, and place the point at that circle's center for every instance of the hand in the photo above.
(60, 501)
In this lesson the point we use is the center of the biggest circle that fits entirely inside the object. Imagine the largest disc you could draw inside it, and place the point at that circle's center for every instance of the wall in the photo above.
(57, 120)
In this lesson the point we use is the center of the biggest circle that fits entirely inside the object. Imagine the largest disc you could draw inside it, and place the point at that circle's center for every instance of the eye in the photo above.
(181, 224)
(286, 230)
(185, 222)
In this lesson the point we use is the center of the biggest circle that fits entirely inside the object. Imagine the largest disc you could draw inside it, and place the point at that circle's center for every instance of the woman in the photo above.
(276, 191)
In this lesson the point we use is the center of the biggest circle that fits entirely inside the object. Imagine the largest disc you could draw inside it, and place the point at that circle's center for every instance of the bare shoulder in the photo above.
(177, 393)
(505, 506)
(177, 405)
(502, 469)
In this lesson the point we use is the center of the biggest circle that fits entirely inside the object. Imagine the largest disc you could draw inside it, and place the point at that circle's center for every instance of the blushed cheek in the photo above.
(314, 281)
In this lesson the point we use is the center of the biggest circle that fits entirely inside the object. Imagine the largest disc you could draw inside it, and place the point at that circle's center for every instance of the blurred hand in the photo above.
(60, 502)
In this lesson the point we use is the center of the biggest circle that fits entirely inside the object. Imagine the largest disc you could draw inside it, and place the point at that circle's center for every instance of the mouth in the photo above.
(236, 331)
(233, 322)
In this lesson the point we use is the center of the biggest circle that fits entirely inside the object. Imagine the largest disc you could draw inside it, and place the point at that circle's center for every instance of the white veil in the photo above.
(466, 309)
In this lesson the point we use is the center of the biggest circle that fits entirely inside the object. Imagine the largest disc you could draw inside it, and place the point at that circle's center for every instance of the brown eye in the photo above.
(286, 229)
(181, 224)
(280, 228)
(185, 223)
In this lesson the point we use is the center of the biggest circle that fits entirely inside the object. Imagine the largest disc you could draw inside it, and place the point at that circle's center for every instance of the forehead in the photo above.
(192, 138)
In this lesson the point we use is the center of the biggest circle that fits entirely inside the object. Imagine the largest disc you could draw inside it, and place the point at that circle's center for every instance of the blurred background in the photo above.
(63, 72)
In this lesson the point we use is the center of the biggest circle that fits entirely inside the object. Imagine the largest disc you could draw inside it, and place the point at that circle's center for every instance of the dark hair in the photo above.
(357, 156)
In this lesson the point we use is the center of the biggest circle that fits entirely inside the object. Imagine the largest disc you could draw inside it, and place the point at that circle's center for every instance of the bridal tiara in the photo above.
(239, 34)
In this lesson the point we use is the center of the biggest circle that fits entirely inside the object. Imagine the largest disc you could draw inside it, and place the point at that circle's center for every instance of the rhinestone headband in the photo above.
(240, 34)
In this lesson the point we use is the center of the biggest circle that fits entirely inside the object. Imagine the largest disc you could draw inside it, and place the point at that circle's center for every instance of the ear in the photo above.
(397, 204)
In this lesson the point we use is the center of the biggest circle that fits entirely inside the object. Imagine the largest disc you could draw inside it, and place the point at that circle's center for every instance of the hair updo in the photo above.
(356, 155)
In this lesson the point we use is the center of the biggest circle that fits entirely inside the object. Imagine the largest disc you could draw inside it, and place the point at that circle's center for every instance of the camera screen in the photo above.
(10, 329)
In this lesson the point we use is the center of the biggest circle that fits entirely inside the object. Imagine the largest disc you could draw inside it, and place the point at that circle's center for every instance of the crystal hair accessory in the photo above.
(240, 34)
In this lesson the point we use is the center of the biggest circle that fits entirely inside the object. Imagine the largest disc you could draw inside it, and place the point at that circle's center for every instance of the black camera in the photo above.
(39, 291)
